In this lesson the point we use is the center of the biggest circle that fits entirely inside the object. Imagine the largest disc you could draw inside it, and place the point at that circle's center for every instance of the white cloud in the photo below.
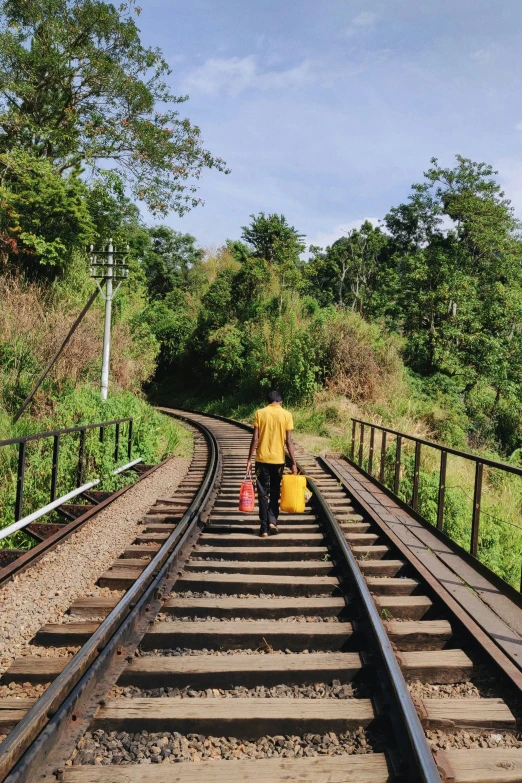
(323, 239)
(234, 75)
(482, 55)
(365, 19)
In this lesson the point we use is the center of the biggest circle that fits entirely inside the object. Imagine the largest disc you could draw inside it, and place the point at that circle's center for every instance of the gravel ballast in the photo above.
(334, 690)
(184, 651)
(164, 617)
(44, 592)
(101, 748)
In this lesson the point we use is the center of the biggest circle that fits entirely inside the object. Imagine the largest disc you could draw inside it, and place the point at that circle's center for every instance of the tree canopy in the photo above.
(272, 238)
(78, 88)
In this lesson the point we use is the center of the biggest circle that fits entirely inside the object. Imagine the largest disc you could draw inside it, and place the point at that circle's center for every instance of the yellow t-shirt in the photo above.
(273, 422)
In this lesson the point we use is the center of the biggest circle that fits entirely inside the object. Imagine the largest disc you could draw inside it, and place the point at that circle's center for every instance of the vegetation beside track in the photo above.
(415, 323)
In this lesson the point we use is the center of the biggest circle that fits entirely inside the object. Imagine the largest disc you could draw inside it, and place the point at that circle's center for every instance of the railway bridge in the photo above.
(360, 645)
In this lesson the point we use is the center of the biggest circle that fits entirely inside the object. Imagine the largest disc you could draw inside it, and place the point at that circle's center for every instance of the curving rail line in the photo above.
(217, 619)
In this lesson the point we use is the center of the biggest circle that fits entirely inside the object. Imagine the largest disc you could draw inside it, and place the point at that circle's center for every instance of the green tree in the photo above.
(78, 88)
(45, 217)
(280, 246)
(171, 325)
(171, 260)
(271, 238)
(458, 280)
(347, 271)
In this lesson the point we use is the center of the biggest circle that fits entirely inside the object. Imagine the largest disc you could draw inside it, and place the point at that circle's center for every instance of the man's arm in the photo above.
(290, 448)
(253, 447)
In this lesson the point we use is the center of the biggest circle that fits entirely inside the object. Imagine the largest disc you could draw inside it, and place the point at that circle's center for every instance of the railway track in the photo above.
(283, 659)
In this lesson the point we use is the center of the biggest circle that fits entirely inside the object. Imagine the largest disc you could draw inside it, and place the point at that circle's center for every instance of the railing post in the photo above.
(370, 455)
(54, 474)
(442, 488)
(102, 434)
(476, 509)
(117, 443)
(81, 459)
(416, 471)
(129, 444)
(397, 464)
(383, 457)
(354, 425)
(22, 449)
(361, 445)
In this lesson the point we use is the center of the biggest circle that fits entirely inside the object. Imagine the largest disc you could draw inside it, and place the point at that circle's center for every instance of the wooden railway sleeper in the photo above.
(444, 767)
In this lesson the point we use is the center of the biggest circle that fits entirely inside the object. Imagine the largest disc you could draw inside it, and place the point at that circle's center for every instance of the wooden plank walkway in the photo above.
(479, 598)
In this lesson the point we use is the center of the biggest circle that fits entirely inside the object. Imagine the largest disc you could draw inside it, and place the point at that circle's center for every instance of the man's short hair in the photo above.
(274, 396)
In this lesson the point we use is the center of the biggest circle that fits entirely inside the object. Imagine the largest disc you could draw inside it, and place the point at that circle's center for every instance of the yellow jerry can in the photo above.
(293, 490)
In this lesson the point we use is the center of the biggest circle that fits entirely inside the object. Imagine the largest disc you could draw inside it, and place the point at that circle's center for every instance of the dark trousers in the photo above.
(268, 490)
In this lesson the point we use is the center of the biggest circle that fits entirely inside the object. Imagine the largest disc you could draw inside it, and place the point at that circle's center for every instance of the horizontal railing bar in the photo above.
(10, 529)
(79, 428)
(465, 454)
(7, 531)
(127, 466)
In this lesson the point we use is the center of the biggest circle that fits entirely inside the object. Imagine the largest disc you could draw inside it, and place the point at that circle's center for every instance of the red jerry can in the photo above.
(246, 495)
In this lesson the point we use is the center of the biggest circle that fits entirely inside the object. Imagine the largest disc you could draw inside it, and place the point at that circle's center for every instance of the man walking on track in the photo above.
(272, 431)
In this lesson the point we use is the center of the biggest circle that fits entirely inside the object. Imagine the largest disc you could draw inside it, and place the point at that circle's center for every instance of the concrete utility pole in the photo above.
(110, 269)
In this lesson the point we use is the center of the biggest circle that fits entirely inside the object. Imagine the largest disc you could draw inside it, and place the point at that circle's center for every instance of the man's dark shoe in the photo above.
(274, 530)
(263, 533)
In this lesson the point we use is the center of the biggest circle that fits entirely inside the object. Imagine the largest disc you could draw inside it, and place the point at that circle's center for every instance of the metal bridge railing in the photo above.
(123, 442)
(374, 459)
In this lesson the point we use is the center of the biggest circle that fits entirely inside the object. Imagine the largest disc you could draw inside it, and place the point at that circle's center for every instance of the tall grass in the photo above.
(33, 321)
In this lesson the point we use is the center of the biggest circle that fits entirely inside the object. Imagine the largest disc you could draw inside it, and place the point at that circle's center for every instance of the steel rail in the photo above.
(28, 745)
(505, 588)
(412, 506)
(424, 763)
(424, 766)
(471, 623)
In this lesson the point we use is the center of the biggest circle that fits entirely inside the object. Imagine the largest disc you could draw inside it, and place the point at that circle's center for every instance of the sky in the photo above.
(327, 111)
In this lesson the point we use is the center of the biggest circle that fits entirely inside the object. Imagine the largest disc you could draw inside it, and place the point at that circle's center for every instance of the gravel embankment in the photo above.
(44, 592)
(460, 690)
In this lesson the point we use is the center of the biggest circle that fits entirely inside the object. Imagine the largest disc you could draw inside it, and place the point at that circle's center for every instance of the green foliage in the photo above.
(78, 88)
(346, 273)
(273, 239)
(45, 217)
(458, 290)
(171, 260)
